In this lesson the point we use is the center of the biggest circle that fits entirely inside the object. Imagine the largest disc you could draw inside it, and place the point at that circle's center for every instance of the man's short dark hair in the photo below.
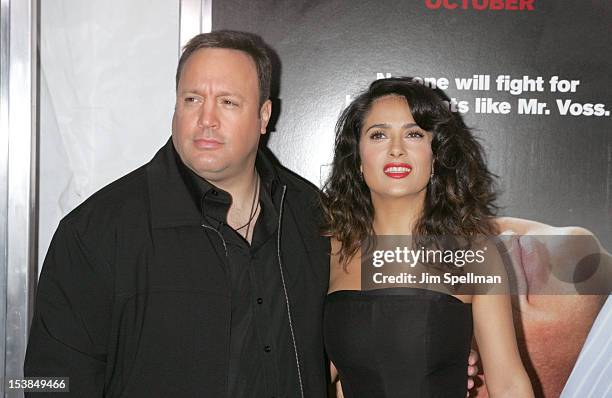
(250, 43)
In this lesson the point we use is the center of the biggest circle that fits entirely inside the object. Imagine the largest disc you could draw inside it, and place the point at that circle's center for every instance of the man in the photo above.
(552, 318)
(202, 273)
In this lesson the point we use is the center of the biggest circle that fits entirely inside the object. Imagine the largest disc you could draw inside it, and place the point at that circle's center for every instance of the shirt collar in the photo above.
(201, 190)
(177, 193)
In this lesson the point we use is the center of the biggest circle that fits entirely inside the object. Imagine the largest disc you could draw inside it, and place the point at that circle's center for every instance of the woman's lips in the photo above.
(397, 170)
(207, 143)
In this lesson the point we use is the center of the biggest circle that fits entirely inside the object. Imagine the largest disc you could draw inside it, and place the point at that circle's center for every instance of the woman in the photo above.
(404, 165)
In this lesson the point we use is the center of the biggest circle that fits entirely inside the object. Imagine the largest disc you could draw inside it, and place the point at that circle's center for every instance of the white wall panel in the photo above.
(106, 96)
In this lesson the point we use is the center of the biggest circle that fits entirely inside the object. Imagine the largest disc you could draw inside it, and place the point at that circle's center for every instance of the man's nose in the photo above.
(208, 117)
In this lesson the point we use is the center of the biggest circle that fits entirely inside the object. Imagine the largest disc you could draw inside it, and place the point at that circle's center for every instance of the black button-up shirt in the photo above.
(261, 357)
(136, 299)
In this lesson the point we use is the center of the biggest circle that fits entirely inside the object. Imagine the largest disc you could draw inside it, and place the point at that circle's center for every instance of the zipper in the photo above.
(229, 326)
(282, 275)
(220, 236)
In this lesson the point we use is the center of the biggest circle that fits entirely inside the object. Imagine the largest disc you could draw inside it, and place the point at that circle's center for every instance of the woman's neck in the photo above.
(397, 216)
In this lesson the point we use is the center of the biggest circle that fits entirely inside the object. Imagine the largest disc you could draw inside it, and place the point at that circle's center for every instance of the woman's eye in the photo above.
(377, 135)
(415, 134)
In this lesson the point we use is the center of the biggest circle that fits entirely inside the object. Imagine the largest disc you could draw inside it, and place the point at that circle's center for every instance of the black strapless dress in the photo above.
(400, 342)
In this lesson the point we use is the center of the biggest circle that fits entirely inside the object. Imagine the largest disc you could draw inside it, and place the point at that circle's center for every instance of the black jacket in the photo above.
(133, 302)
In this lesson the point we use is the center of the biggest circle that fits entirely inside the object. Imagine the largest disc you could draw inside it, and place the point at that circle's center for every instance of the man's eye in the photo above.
(229, 102)
(191, 99)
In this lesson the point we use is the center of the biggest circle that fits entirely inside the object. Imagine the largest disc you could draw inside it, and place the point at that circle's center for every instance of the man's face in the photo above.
(551, 329)
(217, 118)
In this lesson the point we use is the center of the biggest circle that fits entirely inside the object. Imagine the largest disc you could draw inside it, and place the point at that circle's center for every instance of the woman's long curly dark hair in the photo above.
(460, 196)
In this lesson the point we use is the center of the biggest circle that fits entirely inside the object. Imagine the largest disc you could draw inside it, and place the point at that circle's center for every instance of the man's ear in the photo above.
(264, 115)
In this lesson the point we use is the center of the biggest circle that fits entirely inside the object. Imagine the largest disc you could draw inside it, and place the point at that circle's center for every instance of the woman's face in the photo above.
(396, 156)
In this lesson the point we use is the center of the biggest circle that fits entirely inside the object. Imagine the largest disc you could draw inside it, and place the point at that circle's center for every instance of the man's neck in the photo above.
(244, 210)
(241, 188)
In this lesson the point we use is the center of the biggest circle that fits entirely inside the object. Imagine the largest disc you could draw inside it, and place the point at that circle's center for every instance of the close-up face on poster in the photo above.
(324, 198)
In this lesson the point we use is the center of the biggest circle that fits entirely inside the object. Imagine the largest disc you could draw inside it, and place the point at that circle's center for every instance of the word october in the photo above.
(481, 5)
(412, 257)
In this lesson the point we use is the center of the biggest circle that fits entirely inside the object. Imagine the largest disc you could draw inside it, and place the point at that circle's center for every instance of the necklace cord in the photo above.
(254, 208)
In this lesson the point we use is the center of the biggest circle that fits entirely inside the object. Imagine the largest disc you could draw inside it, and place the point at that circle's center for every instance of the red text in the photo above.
(481, 5)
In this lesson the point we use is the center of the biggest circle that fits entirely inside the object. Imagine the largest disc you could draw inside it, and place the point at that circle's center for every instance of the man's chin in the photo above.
(210, 168)
(551, 330)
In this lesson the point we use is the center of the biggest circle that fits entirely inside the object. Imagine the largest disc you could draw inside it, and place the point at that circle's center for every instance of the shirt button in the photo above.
(259, 300)
(214, 192)
(267, 348)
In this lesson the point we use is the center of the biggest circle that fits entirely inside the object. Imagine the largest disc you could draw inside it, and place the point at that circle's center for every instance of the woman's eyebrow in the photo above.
(386, 126)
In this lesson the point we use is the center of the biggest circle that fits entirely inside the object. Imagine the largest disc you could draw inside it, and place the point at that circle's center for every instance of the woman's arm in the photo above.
(333, 372)
(335, 380)
(494, 332)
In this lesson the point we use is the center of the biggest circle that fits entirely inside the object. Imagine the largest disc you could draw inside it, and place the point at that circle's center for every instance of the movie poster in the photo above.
(531, 78)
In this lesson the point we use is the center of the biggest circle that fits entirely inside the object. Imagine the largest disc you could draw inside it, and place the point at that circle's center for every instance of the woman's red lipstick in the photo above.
(397, 170)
